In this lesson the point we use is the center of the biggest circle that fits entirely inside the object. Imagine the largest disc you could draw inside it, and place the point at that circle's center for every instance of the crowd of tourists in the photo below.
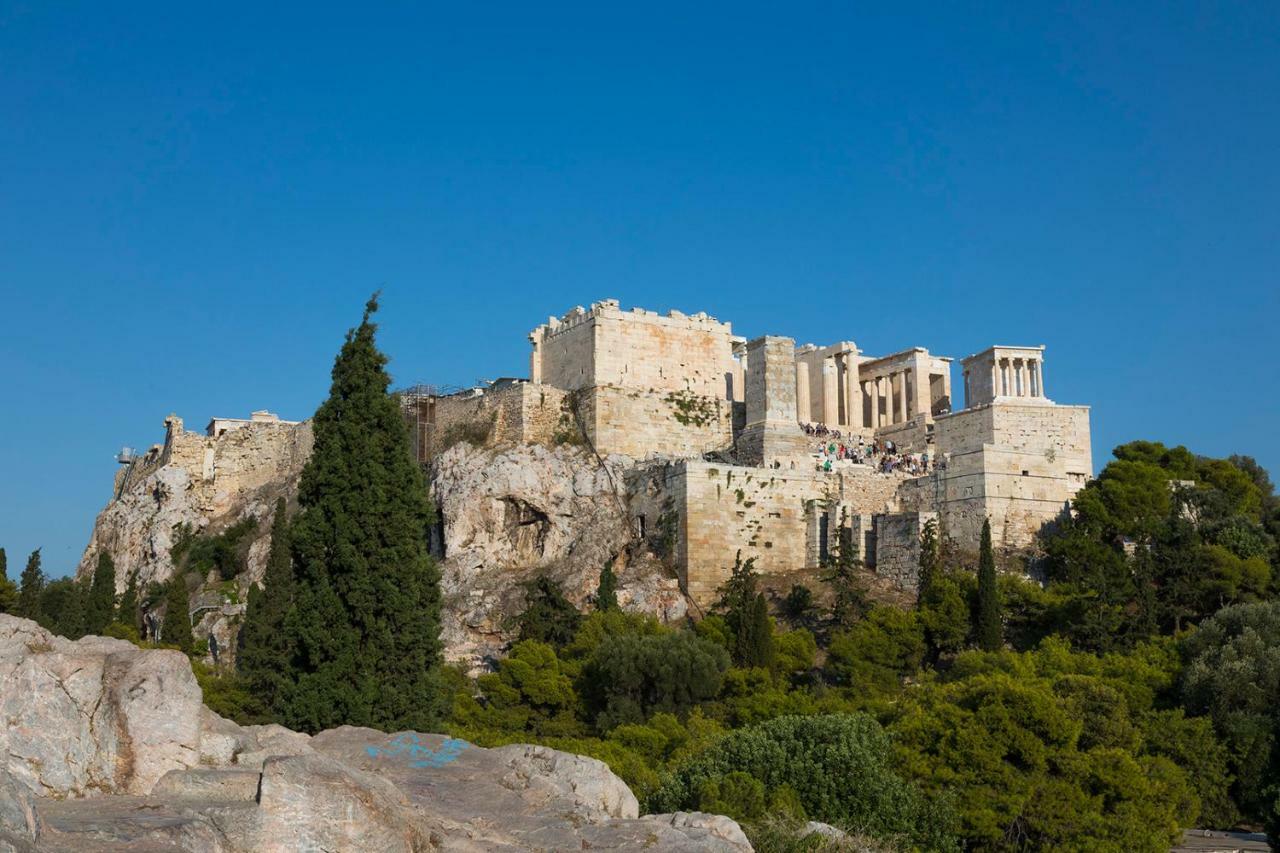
(883, 455)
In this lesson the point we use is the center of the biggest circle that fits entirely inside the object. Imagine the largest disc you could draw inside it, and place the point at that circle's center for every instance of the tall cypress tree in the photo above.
(366, 622)
(930, 559)
(759, 648)
(101, 603)
(127, 610)
(607, 590)
(175, 630)
(264, 658)
(8, 589)
(30, 588)
(988, 629)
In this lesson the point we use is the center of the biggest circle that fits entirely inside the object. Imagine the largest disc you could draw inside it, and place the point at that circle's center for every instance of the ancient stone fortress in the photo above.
(724, 465)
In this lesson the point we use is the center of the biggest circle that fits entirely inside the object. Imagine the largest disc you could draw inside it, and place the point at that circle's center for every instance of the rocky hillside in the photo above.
(506, 516)
(107, 747)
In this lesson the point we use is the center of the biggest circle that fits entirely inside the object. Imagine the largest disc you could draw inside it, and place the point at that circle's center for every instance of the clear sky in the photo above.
(195, 202)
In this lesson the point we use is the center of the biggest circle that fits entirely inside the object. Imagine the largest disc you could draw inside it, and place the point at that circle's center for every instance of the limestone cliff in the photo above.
(506, 515)
(509, 515)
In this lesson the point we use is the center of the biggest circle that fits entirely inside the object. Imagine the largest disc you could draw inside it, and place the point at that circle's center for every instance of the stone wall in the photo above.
(519, 413)
(642, 424)
(897, 547)
(774, 516)
(1017, 463)
(635, 349)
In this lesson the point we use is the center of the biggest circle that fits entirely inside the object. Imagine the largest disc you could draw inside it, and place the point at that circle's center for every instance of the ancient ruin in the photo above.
(770, 449)
(664, 442)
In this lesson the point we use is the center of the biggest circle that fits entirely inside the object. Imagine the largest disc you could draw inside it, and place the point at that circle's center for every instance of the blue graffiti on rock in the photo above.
(419, 754)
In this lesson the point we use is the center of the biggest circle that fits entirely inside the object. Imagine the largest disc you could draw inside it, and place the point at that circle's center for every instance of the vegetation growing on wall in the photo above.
(690, 409)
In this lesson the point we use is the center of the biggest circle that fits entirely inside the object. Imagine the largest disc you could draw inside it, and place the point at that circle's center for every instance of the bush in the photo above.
(878, 651)
(630, 678)
(838, 766)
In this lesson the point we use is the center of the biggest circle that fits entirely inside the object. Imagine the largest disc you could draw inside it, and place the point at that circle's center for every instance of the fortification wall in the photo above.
(521, 413)
(1015, 463)
(897, 551)
(771, 515)
(634, 349)
(642, 424)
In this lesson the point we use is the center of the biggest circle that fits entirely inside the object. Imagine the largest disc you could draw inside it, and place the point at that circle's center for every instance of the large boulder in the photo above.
(96, 716)
(108, 747)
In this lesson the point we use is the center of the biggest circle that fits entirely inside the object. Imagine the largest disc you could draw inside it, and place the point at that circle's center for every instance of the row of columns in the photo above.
(1017, 377)
(841, 403)
(893, 387)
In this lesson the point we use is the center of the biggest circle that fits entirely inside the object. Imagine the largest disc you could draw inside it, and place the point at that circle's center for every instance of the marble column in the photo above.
(830, 392)
(803, 409)
(852, 398)
(903, 398)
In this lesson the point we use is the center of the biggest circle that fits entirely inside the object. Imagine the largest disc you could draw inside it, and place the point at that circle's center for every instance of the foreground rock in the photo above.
(108, 747)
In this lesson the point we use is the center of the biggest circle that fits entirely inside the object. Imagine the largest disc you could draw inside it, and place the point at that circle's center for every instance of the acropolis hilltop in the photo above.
(731, 446)
(767, 448)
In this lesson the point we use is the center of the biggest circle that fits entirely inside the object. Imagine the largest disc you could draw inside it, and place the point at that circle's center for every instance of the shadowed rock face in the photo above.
(108, 748)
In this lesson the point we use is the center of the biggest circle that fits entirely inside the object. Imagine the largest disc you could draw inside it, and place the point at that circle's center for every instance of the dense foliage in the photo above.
(365, 625)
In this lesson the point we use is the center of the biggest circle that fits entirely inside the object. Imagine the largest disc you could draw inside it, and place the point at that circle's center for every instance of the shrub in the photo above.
(630, 678)
(838, 766)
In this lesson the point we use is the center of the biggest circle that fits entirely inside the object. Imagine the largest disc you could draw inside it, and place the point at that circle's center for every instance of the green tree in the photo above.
(798, 606)
(930, 559)
(987, 628)
(366, 623)
(264, 657)
(101, 604)
(737, 603)
(1233, 676)
(61, 608)
(32, 584)
(843, 574)
(8, 589)
(630, 678)
(127, 611)
(877, 652)
(840, 767)
(757, 647)
(607, 590)
(548, 617)
(175, 630)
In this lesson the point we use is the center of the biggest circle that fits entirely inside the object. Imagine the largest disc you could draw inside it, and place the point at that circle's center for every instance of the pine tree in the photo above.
(988, 629)
(127, 610)
(607, 591)
(264, 658)
(31, 587)
(8, 589)
(175, 630)
(366, 620)
(101, 603)
(930, 559)
(70, 620)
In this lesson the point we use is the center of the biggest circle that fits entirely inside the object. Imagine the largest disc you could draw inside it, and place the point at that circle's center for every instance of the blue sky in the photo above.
(195, 203)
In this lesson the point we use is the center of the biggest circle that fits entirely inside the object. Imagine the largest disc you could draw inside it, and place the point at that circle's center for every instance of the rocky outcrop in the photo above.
(107, 747)
(507, 515)
(511, 514)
